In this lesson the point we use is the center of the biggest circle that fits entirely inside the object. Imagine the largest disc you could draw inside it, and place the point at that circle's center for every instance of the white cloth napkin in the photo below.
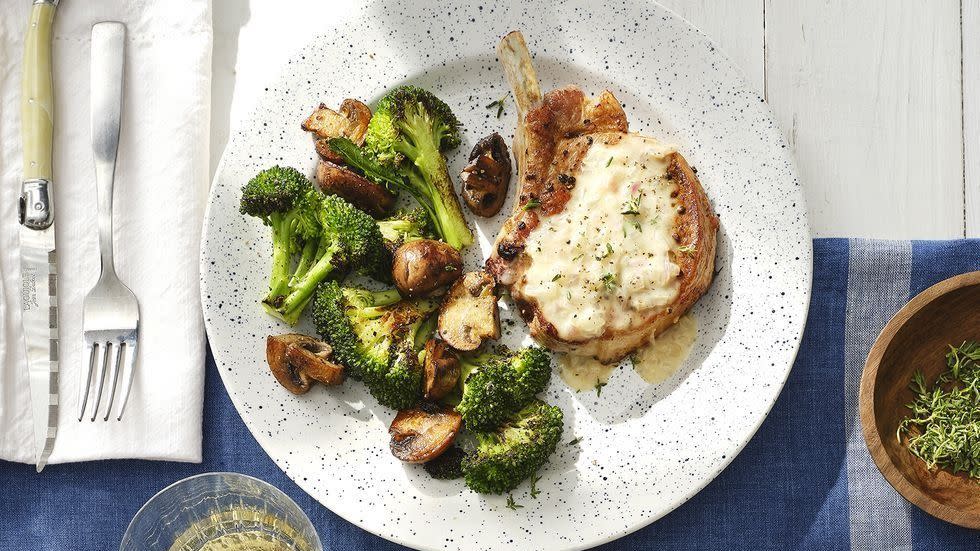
(160, 193)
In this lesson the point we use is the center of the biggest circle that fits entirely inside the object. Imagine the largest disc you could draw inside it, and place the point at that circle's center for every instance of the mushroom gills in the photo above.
(298, 360)
(469, 313)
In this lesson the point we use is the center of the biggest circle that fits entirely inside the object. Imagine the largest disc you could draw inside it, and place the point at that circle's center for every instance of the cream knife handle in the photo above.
(108, 55)
(37, 117)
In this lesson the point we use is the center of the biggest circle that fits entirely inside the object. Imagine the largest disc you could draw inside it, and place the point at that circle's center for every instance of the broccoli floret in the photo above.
(448, 465)
(514, 451)
(496, 384)
(377, 336)
(348, 239)
(285, 200)
(409, 132)
(406, 226)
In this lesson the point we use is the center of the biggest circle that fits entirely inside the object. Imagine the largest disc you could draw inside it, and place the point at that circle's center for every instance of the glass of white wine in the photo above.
(220, 512)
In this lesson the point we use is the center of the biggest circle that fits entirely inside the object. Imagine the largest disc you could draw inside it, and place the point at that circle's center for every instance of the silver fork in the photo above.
(110, 312)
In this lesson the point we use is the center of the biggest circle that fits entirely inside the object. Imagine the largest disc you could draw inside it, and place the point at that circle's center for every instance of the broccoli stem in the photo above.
(305, 260)
(441, 204)
(281, 255)
(300, 292)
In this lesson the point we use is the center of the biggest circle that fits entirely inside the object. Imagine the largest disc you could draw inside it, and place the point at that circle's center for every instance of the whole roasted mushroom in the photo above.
(423, 266)
(487, 176)
(298, 360)
(421, 433)
(441, 370)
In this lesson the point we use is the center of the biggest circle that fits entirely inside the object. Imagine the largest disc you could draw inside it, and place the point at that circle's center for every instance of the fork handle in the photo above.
(108, 54)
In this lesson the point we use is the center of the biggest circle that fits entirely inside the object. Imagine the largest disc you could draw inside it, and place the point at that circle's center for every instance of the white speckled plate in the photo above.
(644, 449)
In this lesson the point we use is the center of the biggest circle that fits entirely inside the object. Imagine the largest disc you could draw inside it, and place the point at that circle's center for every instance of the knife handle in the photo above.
(37, 117)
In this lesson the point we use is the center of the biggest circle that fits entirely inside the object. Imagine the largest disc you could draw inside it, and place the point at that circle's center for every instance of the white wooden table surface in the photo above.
(879, 99)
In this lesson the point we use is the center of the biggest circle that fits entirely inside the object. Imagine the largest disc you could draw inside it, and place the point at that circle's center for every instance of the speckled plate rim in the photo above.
(806, 259)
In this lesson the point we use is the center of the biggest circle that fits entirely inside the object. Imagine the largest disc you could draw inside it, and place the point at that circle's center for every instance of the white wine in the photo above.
(240, 529)
(253, 540)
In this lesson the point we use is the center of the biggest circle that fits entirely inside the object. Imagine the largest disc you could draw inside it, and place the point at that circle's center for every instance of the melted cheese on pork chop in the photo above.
(604, 261)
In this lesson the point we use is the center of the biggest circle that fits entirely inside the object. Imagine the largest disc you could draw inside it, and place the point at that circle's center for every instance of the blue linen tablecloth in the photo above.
(805, 481)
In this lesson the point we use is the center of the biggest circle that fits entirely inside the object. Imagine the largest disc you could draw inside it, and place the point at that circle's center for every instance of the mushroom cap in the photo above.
(421, 433)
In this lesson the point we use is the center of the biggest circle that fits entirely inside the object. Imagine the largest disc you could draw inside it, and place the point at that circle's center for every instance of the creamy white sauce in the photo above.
(583, 372)
(597, 265)
(657, 361)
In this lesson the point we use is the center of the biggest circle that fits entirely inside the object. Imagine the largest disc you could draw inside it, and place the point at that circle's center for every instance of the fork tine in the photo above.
(120, 350)
(83, 391)
(131, 349)
(101, 380)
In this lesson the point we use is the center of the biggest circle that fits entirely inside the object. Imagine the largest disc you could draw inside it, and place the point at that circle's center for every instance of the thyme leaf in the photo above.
(532, 204)
(609, 281)
(534, 488)
(499, 104)
(632, 206)
(943, 426)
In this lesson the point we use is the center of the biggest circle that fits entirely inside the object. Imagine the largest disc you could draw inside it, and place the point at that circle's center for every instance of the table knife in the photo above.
(39, 267)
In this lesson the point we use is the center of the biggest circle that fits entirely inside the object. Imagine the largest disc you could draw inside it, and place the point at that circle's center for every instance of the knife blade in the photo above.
(39, 266)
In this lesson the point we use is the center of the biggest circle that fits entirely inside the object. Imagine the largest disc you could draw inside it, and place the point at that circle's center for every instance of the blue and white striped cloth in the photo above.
(805, 481)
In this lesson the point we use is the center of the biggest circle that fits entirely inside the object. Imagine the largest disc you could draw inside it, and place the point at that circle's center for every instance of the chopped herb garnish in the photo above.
(577, 257)
(532, 204)
(511, 504)
(687, 249)
(609, 281)
(534, 487)
(609, 162)
(598, 387)
(945, 420)
(607, 252)
(568, 295)
(499, 104)
(450, 268)
(632, 206)
(639, 227)
(557, 276)
(576, 441)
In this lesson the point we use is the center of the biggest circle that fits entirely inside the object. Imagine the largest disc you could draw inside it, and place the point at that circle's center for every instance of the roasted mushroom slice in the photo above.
(441, 370)
(325, 123)
(423, 266)
(486, 178)
(364, 194)
(297, 360)
(469, 314)
(423, 432)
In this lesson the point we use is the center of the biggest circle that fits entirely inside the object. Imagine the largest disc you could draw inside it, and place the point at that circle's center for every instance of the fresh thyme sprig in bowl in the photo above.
(943, 429)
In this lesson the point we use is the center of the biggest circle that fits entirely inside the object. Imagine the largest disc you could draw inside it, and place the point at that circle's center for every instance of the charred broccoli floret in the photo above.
(326, 234)
(377, 335)
(405, 226)
(285, 200)
(496, 384)
(405, 142)
(448, 465)
(514, 451)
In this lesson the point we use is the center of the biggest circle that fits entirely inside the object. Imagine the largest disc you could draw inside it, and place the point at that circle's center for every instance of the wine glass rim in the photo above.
(282, 494)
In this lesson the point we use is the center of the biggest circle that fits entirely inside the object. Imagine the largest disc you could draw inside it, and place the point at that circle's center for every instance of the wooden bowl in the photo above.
(917, 337)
